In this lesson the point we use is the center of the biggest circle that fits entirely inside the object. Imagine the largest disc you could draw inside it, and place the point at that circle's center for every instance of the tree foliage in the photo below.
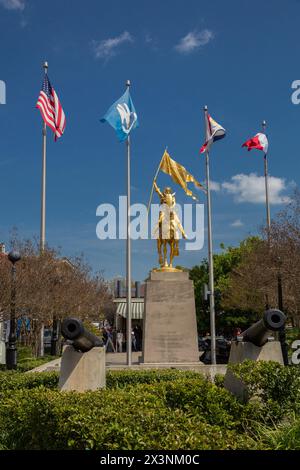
(246, 277)
(254, 283)
(226, 262)
(48, 286)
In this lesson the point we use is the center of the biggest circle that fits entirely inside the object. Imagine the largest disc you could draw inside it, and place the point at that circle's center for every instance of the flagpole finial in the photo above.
(264, 124)
(128, 83)
(45, 66)
(205, 108)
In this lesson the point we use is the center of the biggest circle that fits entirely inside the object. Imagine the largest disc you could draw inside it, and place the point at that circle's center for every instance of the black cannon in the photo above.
(258, 333)
(82, 340)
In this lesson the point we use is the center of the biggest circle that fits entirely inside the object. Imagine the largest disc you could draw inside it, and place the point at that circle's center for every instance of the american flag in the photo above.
(51, 109)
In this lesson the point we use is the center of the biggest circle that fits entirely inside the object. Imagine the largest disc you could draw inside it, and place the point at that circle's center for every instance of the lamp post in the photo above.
(54, 335)
(282, 335)
(11, 351)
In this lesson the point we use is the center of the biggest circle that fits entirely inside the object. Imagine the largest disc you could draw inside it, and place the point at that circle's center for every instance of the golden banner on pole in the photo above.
(179, 174)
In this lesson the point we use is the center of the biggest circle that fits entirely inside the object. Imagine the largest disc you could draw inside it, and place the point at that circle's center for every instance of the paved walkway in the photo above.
(118, 361)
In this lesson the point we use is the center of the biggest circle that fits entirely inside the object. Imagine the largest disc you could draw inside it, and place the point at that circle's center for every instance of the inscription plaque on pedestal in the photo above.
(170, 327)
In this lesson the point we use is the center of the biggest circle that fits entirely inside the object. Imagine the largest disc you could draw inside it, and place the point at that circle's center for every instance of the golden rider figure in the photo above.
(168, 228)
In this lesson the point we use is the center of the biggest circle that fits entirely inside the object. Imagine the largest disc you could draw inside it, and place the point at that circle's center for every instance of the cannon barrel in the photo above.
(82, 339)
(258, 333)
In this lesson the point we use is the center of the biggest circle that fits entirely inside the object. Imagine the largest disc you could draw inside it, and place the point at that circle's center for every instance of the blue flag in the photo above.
(122, 116)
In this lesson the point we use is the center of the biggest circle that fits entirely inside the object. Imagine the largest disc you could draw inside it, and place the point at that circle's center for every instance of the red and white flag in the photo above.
(51, 109)
(259, 142)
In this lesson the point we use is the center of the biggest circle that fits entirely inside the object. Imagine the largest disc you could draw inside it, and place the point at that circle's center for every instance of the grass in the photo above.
(27, 361)
(282, 436)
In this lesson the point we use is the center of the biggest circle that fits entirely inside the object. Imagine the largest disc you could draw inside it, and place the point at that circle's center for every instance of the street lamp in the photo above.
(11, 351)
(282, 335)
(54, 335)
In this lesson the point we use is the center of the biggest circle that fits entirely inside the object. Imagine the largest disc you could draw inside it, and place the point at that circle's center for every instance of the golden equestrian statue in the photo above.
(168, 228)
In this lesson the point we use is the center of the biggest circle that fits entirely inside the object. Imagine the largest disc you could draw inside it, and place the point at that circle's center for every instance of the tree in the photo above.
(254, 284)
(50, 287)
(227, 316)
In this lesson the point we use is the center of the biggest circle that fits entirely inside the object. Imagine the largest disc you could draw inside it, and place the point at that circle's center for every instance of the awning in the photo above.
(137, 308)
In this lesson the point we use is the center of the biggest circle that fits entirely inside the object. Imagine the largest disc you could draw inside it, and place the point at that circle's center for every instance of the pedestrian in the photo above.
(138, 336)
(237, 332)
(133, 341)
(109, 340)
(104, 336)
(119, 343)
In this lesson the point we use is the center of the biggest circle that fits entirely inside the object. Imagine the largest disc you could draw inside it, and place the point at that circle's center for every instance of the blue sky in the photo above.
(239, 58)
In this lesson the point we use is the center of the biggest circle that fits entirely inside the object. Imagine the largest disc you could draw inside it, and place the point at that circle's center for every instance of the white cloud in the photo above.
(107, 48)
(251, 188)
(237, 223)
(13, 4)
(194, 40)
(215, 186)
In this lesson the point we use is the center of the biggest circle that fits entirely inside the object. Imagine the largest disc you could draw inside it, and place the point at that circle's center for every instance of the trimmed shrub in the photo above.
(123, 378)
(30, 363)
(140, 417)
(12, 380)
(273, 391)
(215, 405)
(219, 380)
(152, 409)
(270, 382)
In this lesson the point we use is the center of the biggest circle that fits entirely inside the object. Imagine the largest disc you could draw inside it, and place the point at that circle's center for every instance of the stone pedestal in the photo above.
(239, 352)
(82, 371)
(242, 350)
(170, 327)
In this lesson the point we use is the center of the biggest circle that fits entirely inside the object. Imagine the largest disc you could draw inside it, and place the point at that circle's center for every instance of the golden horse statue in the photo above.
(168, 228)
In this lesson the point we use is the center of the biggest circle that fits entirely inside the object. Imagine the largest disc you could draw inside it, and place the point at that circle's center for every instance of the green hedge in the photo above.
(30, 363)
(114, 379)
(140, 417)
(19, 381)
(275, 386)
(153, 409)
(123, 378)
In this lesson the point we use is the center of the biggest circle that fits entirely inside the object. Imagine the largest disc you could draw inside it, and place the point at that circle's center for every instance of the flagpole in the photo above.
(128, 253)
(210, 260)
(43, 190)
(264, 125)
